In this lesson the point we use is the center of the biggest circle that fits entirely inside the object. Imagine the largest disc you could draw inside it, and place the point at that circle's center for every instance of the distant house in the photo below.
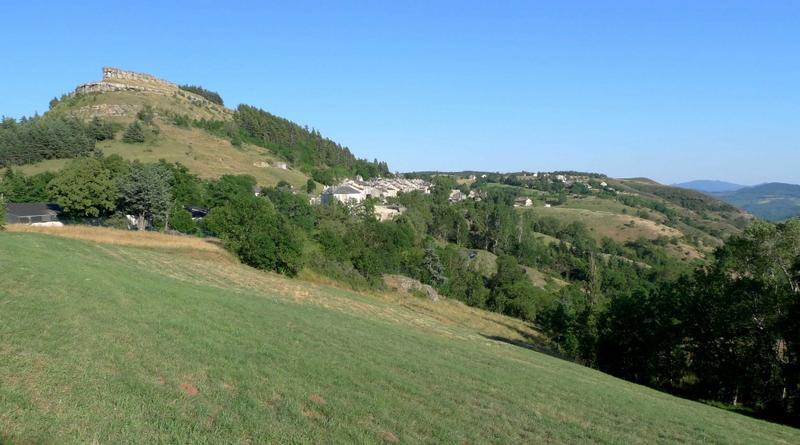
(281, 165)
(456, 196)
(523, 201)
(257, 190)
(344, 194)
(547, 205)
(37, 214)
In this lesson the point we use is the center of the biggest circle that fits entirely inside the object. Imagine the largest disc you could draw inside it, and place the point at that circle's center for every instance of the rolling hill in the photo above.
(709, 186)
(154, 339)
(773, 201)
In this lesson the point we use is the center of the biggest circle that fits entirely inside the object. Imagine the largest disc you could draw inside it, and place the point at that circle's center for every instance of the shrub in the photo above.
(146, 115)
(181, 220)
(134, 134)
(117, 221)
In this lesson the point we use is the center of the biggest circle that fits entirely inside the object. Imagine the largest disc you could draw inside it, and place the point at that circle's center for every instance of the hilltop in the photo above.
(190, 125)
(153, 341)
(709, 186)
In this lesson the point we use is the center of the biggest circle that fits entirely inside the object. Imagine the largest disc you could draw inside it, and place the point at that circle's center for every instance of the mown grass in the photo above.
(123, 344)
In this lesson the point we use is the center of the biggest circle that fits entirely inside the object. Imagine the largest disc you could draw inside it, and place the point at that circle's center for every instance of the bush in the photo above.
(146, 115)
(117, 221)
(181, 220)
(134, 134)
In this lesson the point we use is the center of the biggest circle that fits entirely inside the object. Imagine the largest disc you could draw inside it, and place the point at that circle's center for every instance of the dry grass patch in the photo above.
(118, 237)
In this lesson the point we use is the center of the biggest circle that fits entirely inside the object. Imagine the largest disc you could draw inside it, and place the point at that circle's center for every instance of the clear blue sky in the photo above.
(671, 90)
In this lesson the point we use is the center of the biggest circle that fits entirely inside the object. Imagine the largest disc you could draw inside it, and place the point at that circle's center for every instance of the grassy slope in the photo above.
(117, 344)
(202, 153)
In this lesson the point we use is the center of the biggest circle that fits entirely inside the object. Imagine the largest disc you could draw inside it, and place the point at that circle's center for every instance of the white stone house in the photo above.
(344, 193)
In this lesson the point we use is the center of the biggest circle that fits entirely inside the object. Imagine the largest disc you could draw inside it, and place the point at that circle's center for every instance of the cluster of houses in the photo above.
(357, 190)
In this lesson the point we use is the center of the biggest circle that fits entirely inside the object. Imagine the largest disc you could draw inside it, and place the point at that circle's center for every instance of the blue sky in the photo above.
(670, 90)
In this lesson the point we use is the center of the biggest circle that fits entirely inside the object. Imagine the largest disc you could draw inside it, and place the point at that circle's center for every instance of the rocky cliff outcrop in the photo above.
(115, 79)
(120, 80)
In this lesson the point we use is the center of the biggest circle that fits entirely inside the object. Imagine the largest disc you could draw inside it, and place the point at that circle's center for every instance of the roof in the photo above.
(32, 209)
(345, 190)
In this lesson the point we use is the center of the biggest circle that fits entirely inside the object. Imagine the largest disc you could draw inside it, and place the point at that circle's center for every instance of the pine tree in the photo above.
(134, 134)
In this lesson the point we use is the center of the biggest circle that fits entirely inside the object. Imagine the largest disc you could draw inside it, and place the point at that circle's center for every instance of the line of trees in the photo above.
(38, 138)
(211, 96)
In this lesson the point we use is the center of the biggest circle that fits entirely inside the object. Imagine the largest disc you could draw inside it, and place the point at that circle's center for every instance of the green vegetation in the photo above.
(145, 191)
(216, 352)
(305, 148)
(134, 134)
(84, 188)
(260, 236)
(212, 96)
(35, 139)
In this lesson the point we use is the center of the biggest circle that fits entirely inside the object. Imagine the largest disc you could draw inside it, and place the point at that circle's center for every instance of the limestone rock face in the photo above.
(110, 74)
(106, 110)
(115, 79)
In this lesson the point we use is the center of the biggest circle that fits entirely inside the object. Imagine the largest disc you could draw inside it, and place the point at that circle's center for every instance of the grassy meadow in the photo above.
(150, 341)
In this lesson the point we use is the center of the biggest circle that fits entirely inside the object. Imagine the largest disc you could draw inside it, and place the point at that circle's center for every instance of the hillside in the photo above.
(773, 201)
(624, 210)
(154, 341)
(186, 127)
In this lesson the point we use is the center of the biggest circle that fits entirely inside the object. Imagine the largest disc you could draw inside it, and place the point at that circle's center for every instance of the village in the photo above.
(356, 191)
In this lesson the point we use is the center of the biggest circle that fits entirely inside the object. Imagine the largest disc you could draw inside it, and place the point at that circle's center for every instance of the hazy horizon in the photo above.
(675, 92)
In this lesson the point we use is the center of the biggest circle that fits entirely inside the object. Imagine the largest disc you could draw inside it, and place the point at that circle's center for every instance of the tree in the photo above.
(134, 134)
(261, 237)
(228, 188)
(84, 188)
(295, 208)
(145, 192)
(101, 130)
(432, 270)
(512, 292)
(311, 186)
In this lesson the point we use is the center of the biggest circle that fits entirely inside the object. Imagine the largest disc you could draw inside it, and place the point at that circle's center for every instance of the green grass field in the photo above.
(107, 343)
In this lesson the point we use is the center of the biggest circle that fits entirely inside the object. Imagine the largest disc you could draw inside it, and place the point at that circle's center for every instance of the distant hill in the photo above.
(709, 186)
(774, 201)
